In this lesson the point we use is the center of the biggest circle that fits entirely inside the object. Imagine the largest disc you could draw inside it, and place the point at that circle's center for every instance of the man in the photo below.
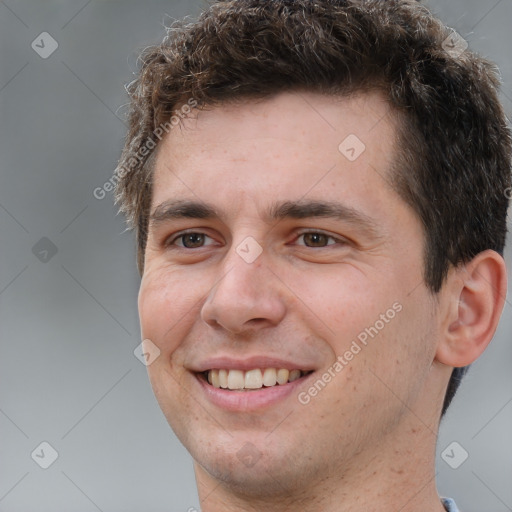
(319, 195)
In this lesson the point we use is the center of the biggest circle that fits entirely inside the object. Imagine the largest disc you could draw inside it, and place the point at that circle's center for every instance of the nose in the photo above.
(246, 296)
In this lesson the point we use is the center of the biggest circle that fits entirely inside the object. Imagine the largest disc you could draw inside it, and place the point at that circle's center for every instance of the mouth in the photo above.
(251, 380)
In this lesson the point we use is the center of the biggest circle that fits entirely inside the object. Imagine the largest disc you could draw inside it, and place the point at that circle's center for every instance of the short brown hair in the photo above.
(454, 157)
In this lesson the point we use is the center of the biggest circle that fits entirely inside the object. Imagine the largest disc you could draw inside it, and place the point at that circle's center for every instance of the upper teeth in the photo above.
(252, 379)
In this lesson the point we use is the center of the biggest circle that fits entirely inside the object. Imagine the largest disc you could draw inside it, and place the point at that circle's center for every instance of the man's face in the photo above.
(338, 297)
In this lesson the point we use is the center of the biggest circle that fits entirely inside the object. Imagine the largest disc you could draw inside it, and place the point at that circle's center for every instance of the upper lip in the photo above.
(249, 363)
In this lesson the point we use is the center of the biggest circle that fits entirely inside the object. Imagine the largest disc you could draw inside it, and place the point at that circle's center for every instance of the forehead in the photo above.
(284, 147)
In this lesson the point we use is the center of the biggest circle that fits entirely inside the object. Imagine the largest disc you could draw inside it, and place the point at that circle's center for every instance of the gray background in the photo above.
(69, 326)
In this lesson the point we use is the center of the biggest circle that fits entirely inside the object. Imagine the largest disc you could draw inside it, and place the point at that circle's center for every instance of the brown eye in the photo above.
(192, 240)
(316, 239)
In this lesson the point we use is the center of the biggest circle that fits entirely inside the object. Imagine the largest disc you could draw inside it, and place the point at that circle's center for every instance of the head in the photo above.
(265, 95)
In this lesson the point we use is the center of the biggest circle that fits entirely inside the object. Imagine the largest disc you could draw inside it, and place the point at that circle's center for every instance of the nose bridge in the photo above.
(246, 290)
(244, 271)
(246, 259)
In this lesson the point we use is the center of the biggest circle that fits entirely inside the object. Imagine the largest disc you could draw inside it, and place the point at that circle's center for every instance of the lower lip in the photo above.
(250, 400)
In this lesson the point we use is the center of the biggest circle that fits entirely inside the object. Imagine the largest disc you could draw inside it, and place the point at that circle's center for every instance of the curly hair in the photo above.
(454, 158)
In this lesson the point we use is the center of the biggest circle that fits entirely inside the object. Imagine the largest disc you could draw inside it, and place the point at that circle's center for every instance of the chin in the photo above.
(263, 480)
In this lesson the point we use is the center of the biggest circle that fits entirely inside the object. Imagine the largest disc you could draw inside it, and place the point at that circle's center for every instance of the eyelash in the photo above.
(179, 236)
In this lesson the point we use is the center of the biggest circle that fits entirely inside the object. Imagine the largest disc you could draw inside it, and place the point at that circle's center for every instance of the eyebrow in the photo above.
(302, 209)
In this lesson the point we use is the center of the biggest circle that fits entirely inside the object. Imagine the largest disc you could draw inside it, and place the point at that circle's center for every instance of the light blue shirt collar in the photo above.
(449, 505)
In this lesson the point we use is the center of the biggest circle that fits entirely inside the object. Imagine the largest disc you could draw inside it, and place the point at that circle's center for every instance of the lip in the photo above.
(249, 363)
(245, 401)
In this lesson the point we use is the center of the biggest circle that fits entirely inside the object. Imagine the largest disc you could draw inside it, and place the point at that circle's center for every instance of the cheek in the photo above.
(378, 329)
(400, 355)
(344, 300)
(166, 307)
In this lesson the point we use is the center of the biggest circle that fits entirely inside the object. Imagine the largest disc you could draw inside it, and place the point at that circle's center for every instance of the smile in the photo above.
(254, 379)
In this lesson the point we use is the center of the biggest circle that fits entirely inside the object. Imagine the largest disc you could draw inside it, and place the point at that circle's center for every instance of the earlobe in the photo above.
(474, 298)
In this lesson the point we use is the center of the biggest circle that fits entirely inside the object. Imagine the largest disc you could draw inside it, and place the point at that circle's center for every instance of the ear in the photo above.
(473, 299)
